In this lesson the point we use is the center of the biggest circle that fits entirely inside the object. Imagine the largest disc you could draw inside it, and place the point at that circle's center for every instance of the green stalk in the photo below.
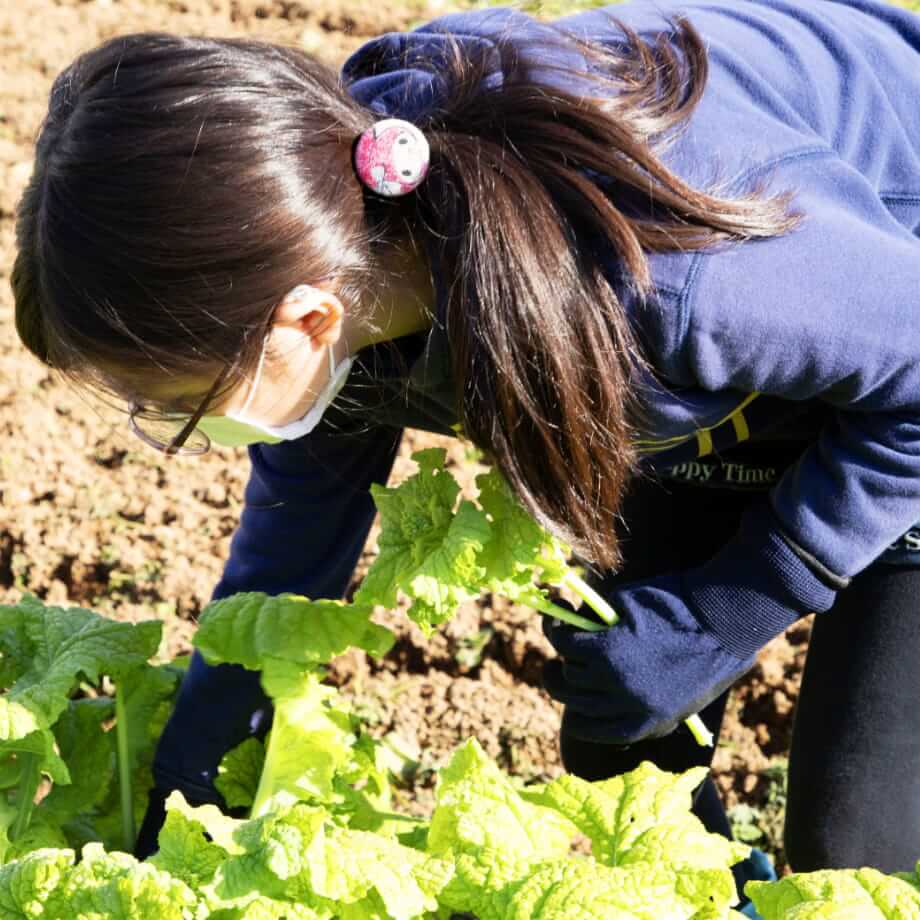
(577, 584)
(561, 613)
(703, 735)
(25, 794)
(265, 789)
(124, 773)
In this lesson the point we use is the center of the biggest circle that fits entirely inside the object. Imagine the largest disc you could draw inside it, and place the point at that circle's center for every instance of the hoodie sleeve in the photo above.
(830, 311)
(307, 514)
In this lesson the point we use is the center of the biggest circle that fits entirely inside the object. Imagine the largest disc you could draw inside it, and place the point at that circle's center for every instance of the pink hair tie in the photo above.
(391, 157)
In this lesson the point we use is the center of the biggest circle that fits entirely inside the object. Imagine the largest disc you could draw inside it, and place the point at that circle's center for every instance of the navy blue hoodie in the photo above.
(819, 97)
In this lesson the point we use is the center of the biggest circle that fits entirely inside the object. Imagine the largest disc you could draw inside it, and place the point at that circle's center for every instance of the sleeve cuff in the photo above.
(755, 586)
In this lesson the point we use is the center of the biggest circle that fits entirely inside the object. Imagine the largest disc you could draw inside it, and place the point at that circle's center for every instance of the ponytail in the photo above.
(545, 362)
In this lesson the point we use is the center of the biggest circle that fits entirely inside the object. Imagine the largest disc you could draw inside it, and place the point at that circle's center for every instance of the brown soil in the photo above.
(90, 516)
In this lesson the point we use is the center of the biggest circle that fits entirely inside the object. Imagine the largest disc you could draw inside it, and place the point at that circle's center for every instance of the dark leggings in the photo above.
(854, 767)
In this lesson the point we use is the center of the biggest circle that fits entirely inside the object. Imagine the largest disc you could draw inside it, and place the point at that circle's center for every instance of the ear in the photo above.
(314, 311)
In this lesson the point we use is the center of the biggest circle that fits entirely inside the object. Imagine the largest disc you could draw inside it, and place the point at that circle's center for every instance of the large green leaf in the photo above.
(40, 745)
(843, 894)
(148, 692)
(519, 551)
(220, 828)
(276, 851)
(311, 738)
(262, 908)
(247, 628)
(299, 856)
(26, 884)
(577, 889)
(643, 816)
(114, 886)
(39, 835)
(184, 850)
(64, 646)
(89, 752)
(490, 832)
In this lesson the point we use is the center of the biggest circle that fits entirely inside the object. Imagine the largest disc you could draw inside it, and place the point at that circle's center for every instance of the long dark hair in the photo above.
(183, 185)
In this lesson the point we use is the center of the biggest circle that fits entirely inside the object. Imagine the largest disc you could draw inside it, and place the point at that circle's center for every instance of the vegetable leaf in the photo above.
(184, 850)
(642, 816)
(148, 693)
(38, 836)
(310, 739)
(356, 865)
(89, 751)
(46, 759)
(846, 894)
(516, 541)
(490, 832)
(276, 849)
(574, 889)
(26, 884)
(117, 887)
(248, 628)
(65, 645)
(298, 855)
(426, 551)
(219, 827)
(238, 773)
(262, 908)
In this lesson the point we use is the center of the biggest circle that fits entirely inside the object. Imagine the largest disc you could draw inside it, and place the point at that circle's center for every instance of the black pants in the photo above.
(854, 768)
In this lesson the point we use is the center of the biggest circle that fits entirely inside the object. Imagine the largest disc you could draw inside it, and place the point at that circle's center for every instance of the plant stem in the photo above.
(264, 791)
(703, 735)
(560, 613)
(124, 772)
(25, 794)
(577, 584)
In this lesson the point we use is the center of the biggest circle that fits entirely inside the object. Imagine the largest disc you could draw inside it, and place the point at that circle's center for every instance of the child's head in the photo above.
(184, 186)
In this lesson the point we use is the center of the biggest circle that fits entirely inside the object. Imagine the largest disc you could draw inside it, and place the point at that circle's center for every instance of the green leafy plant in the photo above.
(322, 841)
(860, 894)
(439, 553)
(314, 744)
(55, 718)
(490, 849)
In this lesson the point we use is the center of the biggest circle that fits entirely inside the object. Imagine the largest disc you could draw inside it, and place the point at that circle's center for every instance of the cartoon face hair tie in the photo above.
(391, 157)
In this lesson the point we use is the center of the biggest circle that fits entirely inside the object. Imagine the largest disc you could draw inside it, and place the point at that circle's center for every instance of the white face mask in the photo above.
(235, 430)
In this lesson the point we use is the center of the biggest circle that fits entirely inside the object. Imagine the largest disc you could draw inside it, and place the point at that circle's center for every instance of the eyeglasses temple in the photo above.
(176, 443)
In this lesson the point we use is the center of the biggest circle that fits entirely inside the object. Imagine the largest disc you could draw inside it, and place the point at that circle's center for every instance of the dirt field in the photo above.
(89, 516)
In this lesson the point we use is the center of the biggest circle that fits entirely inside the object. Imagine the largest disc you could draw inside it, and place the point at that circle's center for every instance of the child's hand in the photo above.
(683, 638)
(642, 677)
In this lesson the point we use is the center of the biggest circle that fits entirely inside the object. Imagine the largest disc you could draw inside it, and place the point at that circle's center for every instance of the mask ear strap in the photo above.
(255, 382)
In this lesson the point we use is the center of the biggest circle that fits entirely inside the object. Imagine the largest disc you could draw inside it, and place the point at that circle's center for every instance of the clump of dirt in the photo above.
(90, 516)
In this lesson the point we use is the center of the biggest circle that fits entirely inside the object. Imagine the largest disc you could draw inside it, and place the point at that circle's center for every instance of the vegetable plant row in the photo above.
(83, 707)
